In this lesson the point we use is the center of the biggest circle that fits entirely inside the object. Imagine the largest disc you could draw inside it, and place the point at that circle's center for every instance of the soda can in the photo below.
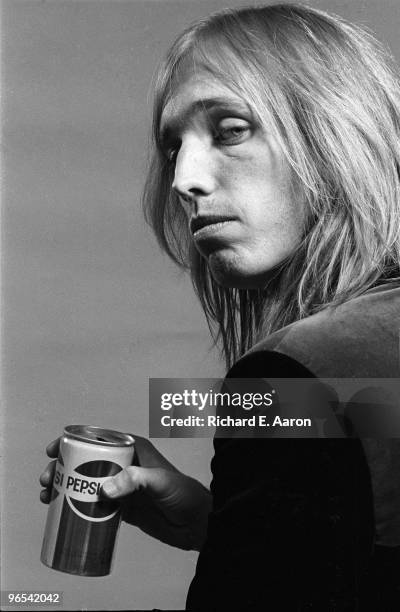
(82, 527)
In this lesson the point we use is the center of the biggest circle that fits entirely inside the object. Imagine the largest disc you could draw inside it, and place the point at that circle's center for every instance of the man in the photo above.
(275, 180)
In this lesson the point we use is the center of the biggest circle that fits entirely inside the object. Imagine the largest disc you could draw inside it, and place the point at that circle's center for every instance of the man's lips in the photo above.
(202, 221)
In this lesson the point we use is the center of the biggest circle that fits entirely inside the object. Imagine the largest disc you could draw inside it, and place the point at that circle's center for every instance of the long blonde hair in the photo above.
(333, 99)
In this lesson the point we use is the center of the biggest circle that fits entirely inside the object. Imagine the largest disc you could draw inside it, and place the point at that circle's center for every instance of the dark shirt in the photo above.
(294, 521)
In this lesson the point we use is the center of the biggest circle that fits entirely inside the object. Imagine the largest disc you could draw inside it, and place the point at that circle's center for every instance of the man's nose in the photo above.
(194, 171)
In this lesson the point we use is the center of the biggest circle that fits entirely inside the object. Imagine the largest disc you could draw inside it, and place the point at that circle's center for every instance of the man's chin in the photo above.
(228, 271)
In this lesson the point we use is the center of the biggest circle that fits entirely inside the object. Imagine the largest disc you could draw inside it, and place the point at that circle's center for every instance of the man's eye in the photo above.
(172, 155)
(169, 148)
(232, 131)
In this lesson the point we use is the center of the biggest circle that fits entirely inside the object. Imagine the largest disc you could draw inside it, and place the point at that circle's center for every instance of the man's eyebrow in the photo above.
(172, 124)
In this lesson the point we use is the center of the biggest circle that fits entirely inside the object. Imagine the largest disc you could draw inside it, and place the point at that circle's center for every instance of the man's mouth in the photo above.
(208, 221)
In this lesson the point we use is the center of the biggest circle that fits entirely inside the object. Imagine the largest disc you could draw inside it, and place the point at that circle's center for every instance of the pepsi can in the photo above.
(82, 527)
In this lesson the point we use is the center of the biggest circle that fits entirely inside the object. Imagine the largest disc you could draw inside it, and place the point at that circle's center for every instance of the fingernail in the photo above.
(109, 488)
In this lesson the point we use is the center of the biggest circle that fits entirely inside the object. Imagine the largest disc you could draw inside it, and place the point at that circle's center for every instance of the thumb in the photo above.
(133, 478)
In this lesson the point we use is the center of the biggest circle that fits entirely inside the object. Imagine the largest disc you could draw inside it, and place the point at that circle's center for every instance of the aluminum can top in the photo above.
(97, 435)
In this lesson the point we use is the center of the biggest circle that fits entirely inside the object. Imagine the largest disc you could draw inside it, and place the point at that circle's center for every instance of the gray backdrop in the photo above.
(91, 308)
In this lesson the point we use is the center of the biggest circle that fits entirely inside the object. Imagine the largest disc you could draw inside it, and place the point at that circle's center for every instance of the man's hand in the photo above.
(154, 495)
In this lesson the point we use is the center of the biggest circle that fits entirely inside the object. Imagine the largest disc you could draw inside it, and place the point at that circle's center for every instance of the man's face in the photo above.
(233, 181)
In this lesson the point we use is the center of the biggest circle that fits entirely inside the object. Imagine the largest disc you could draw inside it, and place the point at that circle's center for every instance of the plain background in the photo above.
(91, 308)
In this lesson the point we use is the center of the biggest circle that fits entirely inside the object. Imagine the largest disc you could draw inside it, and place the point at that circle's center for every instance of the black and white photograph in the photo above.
(200, 213)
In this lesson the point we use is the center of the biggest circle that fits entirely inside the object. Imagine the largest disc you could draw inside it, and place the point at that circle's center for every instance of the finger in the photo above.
(146, 455)
(45, 496)
(46, 477)
(53, 448)
(153, 480)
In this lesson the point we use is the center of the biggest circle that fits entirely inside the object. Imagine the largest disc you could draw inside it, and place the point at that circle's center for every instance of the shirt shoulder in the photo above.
(359, 338)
